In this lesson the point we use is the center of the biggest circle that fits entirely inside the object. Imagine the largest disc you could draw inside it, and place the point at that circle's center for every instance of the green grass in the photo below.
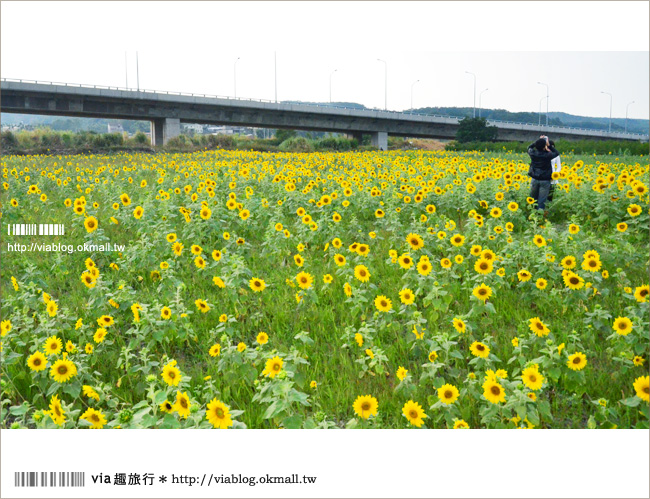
(134, 351)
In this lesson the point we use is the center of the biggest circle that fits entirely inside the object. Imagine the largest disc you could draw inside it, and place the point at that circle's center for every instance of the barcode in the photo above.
(36, 229)
(50, 479)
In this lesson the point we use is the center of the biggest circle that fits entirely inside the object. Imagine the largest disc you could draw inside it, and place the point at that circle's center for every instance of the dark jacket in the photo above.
(540, 162)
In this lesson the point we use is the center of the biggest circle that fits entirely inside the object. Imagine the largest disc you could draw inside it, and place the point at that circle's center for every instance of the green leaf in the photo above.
(631, 402)
(554, 373)
(293, 422)
(591, 423)
(19, 410)
(170, 422)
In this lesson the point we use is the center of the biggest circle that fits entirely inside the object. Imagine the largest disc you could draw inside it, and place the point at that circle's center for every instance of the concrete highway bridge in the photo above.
(167, 110)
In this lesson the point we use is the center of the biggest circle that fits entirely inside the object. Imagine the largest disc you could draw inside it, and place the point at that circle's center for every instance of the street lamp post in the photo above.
(235, 74)
(412, 84)
(469, 73)
(479, 101)
(610, 110)
(385, 84)
(628, 105)
(331, 84)
(539, 121)
(540, 83)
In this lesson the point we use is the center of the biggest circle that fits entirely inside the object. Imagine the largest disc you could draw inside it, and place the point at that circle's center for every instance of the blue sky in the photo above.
(589, 48)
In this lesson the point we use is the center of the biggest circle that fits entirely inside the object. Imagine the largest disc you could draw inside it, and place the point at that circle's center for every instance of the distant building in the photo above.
(115, 128)
(193, 127)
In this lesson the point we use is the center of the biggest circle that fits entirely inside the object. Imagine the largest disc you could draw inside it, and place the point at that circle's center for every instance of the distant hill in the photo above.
(559, 119)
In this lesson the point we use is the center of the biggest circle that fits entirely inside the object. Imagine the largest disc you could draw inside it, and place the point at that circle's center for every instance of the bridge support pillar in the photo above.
(380, 140)
(163, 129)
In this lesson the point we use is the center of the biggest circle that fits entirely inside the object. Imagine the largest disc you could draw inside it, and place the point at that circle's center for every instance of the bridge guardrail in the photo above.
(410, 113)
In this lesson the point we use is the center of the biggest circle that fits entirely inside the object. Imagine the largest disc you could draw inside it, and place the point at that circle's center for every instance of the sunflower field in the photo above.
(401, 289)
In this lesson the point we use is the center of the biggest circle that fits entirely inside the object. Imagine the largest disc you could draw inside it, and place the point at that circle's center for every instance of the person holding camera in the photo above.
(541, 153)
(557, 168)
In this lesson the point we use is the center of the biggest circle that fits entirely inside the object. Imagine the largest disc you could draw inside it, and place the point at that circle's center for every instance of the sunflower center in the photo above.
(365, 406)
(576, 360)
(495, 390)
(413, 414)
(62, 369)
(95, 418)
(480, 348)
(574, 280)
(448, 394)
(172, 374)
(383, 303)
(184, 403)
(219, 413)
(37, 362)
(532, 378)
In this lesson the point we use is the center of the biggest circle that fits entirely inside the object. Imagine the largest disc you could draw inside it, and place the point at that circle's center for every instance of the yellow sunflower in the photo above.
(182, 405)
(642, 388)
(414, 413)
(56, 411)
(493, 391)
(63, 370)
(532, 378)
(406, 296)
(53, 345)
(482, 292)
(171, 374)
(577, 361)
(365, 406)
(95, 417)
(37, 362)
(215, 350)
(479, 349)
(304, 280)
(218, 414)
(383, 304)
(257, 285)
(538, 327)
(623, 326)
(448, 394)
(273, 367)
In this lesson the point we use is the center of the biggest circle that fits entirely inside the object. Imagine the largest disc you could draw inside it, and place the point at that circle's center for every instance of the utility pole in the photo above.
(474, 91)
(540, 83)
(331, 84)
(385, 84)
(626, 107)
(539, 121)
(610, 110)
(412, 84)
(479, 101)
(235, 74)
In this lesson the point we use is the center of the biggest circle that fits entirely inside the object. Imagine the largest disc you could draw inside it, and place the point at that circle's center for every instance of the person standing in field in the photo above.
(557, 168)
(541, 154)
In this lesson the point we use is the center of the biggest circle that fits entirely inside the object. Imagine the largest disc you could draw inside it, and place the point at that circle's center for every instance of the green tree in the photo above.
(282, 135)
(476, 130)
